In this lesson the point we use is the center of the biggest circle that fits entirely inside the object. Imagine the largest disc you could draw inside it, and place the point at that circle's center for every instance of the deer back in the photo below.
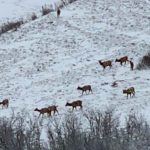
(129, 90)
(125, 58)
(52, 108)
(77, 103)
(86, 87)
(107, 63)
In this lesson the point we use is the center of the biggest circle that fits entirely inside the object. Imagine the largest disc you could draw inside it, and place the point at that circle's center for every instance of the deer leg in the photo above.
(86, 92)
(54, 112)
(81, 107)
(82, 92)
(110, 66)
(57, 111)
(39, 115)
(49, 114)
(133, 94)
(91, 91)
(42, 115)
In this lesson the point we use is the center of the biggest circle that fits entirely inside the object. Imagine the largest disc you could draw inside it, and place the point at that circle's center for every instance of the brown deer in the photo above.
(104, 64)
(5, 103)
(131, 64)
(43, 111)
(58, 12)
(53, 108)
(75, 104)
(122, 60)
(85, 89)
(129, 91)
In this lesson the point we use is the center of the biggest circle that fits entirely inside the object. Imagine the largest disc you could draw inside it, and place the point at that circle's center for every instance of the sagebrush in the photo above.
(102, 132)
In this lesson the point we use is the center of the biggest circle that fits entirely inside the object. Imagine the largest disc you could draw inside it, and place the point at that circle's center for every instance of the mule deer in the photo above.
(43, 111)
(5, 103)
(122, 60)
(130, 91)
(131, 64)
(53, 108)
(58, 12)
(104, 64)
(85, 88)
(75, 104)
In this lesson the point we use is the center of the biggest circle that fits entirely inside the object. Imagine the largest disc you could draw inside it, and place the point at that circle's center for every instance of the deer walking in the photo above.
(85, 89)
(130, 91)
(75, 104)
(122, 60)
(104, 64)
(43, 111)
(53, 108)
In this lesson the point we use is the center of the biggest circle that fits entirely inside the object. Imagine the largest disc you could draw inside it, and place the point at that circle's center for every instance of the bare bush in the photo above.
(10, 26)
(71, 1)
(144, 62)
(17, 134)
(45, 10)
(34, 16)
(103, 133)
(67, 135)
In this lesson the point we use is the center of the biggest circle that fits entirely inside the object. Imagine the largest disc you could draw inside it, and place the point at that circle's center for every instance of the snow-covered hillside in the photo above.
(15, 9)
(43, 63)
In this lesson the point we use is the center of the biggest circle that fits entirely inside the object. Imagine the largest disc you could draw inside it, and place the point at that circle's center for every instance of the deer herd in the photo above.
(85, 89)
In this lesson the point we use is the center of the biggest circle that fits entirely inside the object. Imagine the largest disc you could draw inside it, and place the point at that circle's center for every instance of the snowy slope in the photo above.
(43, 63)
(15, 9)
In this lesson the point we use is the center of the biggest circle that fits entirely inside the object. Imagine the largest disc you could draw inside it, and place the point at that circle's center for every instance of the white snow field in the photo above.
(43, 63)
(14, 9)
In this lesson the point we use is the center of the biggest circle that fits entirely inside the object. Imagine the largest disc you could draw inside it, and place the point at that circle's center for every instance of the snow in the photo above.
(43, 64)
(14, 9)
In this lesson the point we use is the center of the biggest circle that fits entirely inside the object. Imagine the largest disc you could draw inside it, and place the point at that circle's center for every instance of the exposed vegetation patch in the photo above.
(10, 26)
(45, 10)
(34, 16)
(102, 131)
(144, 62)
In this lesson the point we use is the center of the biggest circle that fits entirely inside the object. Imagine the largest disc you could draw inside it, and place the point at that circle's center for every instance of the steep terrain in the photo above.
(15, 9)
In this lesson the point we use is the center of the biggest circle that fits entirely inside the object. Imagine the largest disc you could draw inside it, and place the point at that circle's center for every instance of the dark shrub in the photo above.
(17, 134)
(144, 62)
(91, 131)
(33, 17)
(11, 26)
(103, 133)
(45, 10)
